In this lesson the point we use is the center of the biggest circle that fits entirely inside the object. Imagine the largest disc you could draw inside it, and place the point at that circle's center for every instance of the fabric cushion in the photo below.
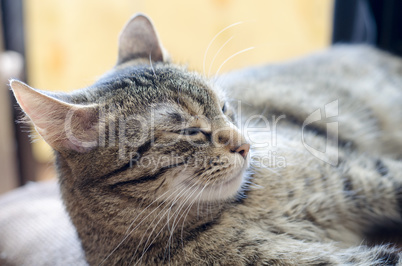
(35, 228)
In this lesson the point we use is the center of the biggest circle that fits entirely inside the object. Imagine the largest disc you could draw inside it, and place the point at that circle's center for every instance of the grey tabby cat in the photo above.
(153, 168)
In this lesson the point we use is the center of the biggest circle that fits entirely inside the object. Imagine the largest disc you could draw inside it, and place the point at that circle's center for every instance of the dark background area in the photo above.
(375, 22)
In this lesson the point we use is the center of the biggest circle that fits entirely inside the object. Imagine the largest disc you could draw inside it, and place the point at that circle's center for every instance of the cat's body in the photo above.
(363, 80)
(197, 201)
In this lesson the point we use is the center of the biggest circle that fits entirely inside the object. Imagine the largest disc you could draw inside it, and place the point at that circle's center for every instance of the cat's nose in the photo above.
(242, 150)
(230, 138)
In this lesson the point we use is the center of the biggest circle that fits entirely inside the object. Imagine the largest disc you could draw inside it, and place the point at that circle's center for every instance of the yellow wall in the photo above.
(71, 42)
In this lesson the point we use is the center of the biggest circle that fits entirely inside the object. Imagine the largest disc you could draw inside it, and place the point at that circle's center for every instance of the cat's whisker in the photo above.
(168, 211)
(198, 205)
(186, 212)
(177, 212)
(171, 229)
(190, 189)
(209, 202)
(198, 209)
(150, 234)
(152, 223)
(132, 223)
(180, 207)
(150, 62)
(172, 193)
(253, 185)
(170, 240)
(207, 181)
(167, 208)
(128, 234)
(163, 202)
(213, 39)
(189, 208)
(232, 56)
(216, 54)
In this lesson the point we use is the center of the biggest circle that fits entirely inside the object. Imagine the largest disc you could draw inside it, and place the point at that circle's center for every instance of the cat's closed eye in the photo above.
(224, 108)
(191, 131)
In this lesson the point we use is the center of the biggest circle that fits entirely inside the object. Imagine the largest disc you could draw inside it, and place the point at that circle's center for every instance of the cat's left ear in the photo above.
(139, 40)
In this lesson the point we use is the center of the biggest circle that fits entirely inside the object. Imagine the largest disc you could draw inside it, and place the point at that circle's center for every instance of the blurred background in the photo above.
(65, 45)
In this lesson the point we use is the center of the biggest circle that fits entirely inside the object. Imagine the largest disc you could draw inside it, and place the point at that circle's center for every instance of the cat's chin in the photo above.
(224, 190)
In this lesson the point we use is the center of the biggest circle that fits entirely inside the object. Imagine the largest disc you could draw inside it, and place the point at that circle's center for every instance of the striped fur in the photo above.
(197, 203)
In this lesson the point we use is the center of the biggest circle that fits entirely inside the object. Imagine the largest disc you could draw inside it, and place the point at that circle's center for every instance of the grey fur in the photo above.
(307, 213)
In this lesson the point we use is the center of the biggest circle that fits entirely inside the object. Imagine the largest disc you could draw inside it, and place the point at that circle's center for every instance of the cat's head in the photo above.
(146, 129)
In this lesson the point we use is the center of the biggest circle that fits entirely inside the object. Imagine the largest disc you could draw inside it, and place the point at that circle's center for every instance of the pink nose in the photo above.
(242, 149)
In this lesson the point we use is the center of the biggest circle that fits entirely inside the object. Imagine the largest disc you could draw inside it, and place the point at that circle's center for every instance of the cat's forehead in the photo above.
(160, 87)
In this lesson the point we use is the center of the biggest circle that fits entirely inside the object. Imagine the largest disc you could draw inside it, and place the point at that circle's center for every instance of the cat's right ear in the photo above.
(139, 40)
(64, 126)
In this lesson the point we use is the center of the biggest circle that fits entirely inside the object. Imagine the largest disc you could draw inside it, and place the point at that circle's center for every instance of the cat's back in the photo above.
(362, 82)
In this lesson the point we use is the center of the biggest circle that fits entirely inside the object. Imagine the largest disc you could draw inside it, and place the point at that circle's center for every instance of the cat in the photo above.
(154, 167)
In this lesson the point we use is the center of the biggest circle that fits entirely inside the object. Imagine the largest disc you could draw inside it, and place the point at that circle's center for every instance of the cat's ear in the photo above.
(139, 40)
(64, 126)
